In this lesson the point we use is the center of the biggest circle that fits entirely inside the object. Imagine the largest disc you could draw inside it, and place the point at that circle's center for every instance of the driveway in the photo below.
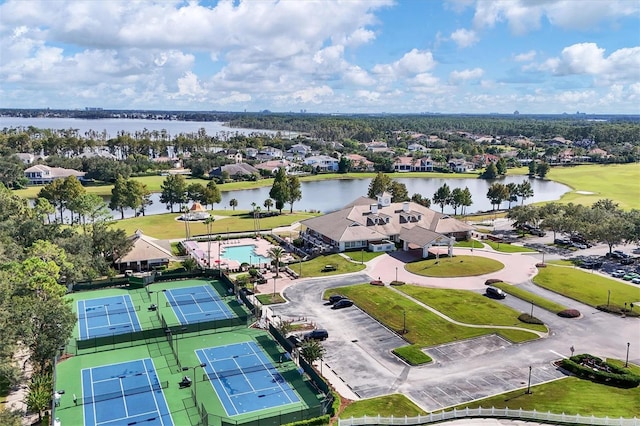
(359, 355)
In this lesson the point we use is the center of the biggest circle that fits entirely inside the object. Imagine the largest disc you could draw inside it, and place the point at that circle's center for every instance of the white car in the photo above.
(619, 273)
(636, 280)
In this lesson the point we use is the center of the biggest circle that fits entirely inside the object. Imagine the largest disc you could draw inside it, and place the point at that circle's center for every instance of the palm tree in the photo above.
(276, 254)
(185, 218)
(268, 203)
(525, 190)
(233, 203)
(312, 350)
(209, 222)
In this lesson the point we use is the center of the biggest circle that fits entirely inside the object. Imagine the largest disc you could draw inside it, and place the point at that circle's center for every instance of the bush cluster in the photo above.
(394, 282)
(492, 281)
(600, 371)
(528, 319)
(569, 313)
(615, 309)
(376, 282)
(322, 420)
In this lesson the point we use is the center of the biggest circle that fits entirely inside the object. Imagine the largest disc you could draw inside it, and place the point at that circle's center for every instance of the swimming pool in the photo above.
(244, 254)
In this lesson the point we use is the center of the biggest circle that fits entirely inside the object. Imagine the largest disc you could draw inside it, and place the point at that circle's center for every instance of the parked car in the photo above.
(630, 276)
(342, 303)
(537, 231)
(580, 239)
(295, 341)
(636, 280)
(317, 334)
(579, 245)
(561, 241)
(335, 298)
(591, 264)
(495, 293)
(621, 254)
(627, 261)
(618, 273)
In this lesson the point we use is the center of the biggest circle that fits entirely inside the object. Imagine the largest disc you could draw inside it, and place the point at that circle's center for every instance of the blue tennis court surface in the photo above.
(197, 304)
(127, 393)
(245, 379)
(107, 316)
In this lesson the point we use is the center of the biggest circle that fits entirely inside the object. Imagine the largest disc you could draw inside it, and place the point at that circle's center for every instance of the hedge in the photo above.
(619, 377)
(322, 420)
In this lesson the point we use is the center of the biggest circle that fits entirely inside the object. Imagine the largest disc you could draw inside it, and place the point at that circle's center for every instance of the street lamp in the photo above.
(362, 258)
(608, 297)
(531, 309)
(404, 321)
(626, 363)
(529, 385)
(274, 286)
(396, 274)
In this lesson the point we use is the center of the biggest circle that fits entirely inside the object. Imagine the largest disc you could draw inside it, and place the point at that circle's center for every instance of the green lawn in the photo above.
(165, 226)
(469, 244)
(457, 266)
(586, 287)
(314, 267)
(270, 298)
(390, 405)
(618, 182)
(508, 248)
(468, 307)
(424, 327)
(571, 396)
(530, 297)
(363, 256)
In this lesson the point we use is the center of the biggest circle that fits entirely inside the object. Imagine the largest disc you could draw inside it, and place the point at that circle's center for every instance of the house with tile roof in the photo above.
(378, 225)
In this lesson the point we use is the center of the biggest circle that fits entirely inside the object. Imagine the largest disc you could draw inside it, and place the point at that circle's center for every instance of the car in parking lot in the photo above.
(627, 261)
(342, 303)
(317, 334)
(636, 280)
(630, 276)
(294, 340)
(495, 293)
(335, 298)
(618, 273)
(561, 241)
(579, 245)
(591, 264)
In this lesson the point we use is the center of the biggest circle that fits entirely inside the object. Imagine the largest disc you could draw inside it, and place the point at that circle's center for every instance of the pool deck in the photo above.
(216, 256)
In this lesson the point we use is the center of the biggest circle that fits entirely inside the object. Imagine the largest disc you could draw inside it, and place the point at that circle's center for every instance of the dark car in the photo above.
(335, 298)
(294, 340)
(317, 334)
(495, 293)
(537, 231)
(343, 303)
(626, 261)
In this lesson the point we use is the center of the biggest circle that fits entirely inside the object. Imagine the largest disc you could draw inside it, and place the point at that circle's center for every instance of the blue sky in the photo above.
(409, 56)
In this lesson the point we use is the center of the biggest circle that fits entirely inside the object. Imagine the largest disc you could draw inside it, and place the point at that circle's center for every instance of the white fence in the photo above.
(489, 413)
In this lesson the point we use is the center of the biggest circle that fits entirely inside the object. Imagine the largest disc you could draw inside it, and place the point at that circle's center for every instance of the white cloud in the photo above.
(526, 56)
(411, 64)
(588, 58)
(464, 38)
(457, 77)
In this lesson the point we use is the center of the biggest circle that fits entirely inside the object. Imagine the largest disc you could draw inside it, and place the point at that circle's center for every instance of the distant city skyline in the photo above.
(324, 56)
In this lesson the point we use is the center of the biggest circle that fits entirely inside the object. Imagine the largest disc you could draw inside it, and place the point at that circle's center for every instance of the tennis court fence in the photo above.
(125, 392)
(217, 375)
(277, 419)
(193, 301)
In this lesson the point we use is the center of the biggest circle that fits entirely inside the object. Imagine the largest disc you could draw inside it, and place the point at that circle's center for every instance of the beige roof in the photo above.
(197, 207)
(357, 221)
(144, 248)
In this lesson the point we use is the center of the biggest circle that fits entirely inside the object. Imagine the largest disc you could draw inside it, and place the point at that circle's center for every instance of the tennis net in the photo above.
(217, 375)
(123, 393)
(203, 298)
(104, 310)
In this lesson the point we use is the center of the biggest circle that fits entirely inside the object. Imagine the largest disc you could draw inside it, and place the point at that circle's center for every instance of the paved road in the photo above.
(359, 348)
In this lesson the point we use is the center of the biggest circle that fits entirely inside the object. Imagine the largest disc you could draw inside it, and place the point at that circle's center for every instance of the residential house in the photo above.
(460, 165)
(416, 147)
(236, 171)
(145, 254)
(251, 152)
(424, 164)
(234, 155)
(274, 165)
(26, 158)
(97, 153)
(43, 175)
(271, 152)
(412, 164)
(377, 147)
(376, 225)
(403, 164)
(300, 150)
(322, 163)
(483, 160)
(360, 163)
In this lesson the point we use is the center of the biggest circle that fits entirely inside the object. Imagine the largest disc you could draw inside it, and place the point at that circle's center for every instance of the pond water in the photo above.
(329, 195)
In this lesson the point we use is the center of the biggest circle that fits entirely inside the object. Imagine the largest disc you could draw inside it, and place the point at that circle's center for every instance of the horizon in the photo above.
(323, 57)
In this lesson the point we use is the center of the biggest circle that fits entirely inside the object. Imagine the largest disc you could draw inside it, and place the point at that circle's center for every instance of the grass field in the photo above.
(363, 256)
(315, 266)
(390, 405)
(165, 226)
(508, 248)
(468, 307)
(618, 182)
(530, 297)
(588, 288)
(457, 266)
(571, 396)
(469, 244)
(424, 327)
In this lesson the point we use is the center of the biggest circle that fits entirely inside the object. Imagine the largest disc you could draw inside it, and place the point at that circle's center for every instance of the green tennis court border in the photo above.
(174, 357)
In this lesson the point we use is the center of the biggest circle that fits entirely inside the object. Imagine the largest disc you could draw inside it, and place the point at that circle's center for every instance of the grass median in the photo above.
(424, 328)
(396, 405)
(586, 287)
(530, 297)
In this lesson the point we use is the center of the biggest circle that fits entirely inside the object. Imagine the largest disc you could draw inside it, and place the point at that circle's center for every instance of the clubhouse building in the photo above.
(378, 225)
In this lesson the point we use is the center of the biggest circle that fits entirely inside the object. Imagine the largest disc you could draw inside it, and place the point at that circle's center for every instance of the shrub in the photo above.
(569, 313)
(394, 282)
(615, 376)
(528, 319)
(615, 309)
(376, 282)
(541, 265)
(322, 420)
(492, 281)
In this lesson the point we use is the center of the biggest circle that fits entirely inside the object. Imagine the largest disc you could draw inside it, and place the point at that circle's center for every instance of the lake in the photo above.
(330, 195)
(114, 125)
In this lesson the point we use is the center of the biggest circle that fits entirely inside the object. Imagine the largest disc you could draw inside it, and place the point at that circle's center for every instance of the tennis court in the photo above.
(197, 304)
(127, 393)
(106, 316)
(244, 378)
